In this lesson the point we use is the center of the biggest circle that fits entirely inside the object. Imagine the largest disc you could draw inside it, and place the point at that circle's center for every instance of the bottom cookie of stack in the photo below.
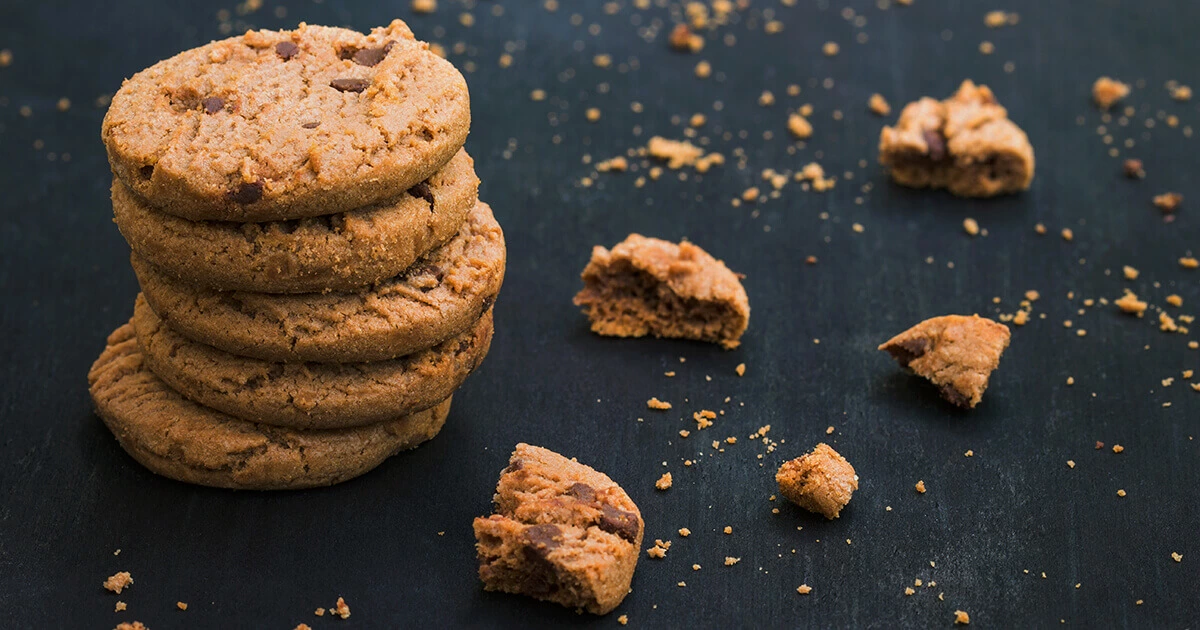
(177, 438)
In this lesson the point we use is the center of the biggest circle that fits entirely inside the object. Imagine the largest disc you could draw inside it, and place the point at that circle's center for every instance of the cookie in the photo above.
(180, 439)
(334, 252)
(309, 395)
(438, 298)
(287, 124)
(647, 286)
(562, 532)
(821, 481)
(954, 352)
(965, 144)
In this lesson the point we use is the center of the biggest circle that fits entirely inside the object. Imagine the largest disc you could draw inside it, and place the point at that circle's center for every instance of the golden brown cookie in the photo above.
(562, 532)
(287, 124)
(309, 395)
(821, 481)
(965, 144)
(647, 286)
(439, 297)
(177, 438)
(333, 252)
(955, 352)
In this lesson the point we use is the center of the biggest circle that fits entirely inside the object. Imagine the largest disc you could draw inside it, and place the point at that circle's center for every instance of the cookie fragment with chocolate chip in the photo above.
(965, 144)
(561, 532)
(648, 286)
(955, 352)
(821, 481)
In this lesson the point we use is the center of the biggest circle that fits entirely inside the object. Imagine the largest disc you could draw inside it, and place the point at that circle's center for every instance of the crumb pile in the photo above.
(317, 270)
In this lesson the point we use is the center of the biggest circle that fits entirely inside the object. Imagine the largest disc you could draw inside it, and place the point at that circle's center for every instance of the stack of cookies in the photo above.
(317, 271)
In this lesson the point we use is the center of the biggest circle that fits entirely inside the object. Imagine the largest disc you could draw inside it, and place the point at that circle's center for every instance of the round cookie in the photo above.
(439, 297)
(335, 252)
(309, 395)
(177, 438)
(287, 124)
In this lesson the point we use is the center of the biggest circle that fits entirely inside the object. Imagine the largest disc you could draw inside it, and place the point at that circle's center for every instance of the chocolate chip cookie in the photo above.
(437, 298)
(562, 532)
(180, 439)
(287, 124)
(965, 144)
(333, 252)
(821, 481)
(309, 395)
(955, 352)
(648, 286)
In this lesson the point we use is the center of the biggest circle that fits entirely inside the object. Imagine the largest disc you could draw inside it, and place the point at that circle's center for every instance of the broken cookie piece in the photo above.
(965, 144)
(562, 532)
(821, 481)
(645, 286)
(955, 352)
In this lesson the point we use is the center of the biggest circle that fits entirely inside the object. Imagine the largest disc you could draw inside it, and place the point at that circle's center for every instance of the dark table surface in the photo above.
(1011, 535)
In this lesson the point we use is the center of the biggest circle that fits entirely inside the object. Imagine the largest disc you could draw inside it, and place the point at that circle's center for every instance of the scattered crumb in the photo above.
(730, 561)
(1117, 448)
(728, 529)
(341, 609)
(424, 6)
(663, 482)
(1130, 303)
(1130, 272)
(655, 403)
(1106, 92)
(804, 589)
(879, 105)
(685, 532)
(971, 226)
(799, 126)
(6, 58)
(623, 619)
(1168, 202)
(830, 49)
(120, 607)
(125, 625)
(1070, 463)
(320, 612)
(181, 605)
(1174, 300)
(921, 486)
(63, 104)
(961, 617)
(1181, 93)
(1067, 234)
(1189, 263)
(740, 369)
(969, 453)
(1134, 169)
(118, 582)
(1121, 492)
(683, 39)
(592, 114)
(908, 591)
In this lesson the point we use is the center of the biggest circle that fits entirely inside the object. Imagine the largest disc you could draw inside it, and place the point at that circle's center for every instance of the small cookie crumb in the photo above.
(730, 561)
(623, 619)
(120, 607)
(799, 126)
(740, 369)
(1168, 202)
(663, 482)
(971, 226)
(655, 403)
(804, 589)
(1134, 169)
(181, 605)
(1107, 91)
(341, 609)
(879, 105)
(961, 617)
(920, 486)
(118, 582)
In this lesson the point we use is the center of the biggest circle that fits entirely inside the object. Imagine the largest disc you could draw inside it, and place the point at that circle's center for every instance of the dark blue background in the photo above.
(69, 496)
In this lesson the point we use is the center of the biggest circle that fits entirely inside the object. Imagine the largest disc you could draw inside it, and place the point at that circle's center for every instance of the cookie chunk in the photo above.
(562, 532)
(821, 481)
(955, 352)
(334, 252)
(287, 124)
(439, 297)
(309, 395)
(965, 144)
(177, 438)
(647, 286)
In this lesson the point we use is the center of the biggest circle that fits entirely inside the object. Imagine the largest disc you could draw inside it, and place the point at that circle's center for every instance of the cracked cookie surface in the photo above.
(561, 532)
(965, 144)
(955, 352)
(177, 438)
(309, 395)
(648, 286)
(334, 252)
(287, 124)
(440, 296)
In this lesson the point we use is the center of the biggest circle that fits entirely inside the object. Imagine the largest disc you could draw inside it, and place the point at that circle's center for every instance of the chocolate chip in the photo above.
(286, 50)
(908, 350)
(514, 466)
(347, 52)
(954, 396)
(147, 171)
(213, 104)
(247, 192)
(936, 143)
(583, 492)
(311, 125)
(619, 522)
(422, 191)
(372, 56)
(425, 269)
(349, 85)
(543, 538)
(487, 303)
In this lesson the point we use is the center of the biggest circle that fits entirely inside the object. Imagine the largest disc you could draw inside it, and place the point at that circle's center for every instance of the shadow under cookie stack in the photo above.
(317, 271)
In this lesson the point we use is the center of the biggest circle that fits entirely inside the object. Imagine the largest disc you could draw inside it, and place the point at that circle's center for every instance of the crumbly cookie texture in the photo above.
(955, 352)
(648, 286)
(309, 395)
(821, 481)
(287, 124)
(965, 144)
(1107, 91)
(440, 296)
(335, 252)
(562, 532)
(177, 438)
